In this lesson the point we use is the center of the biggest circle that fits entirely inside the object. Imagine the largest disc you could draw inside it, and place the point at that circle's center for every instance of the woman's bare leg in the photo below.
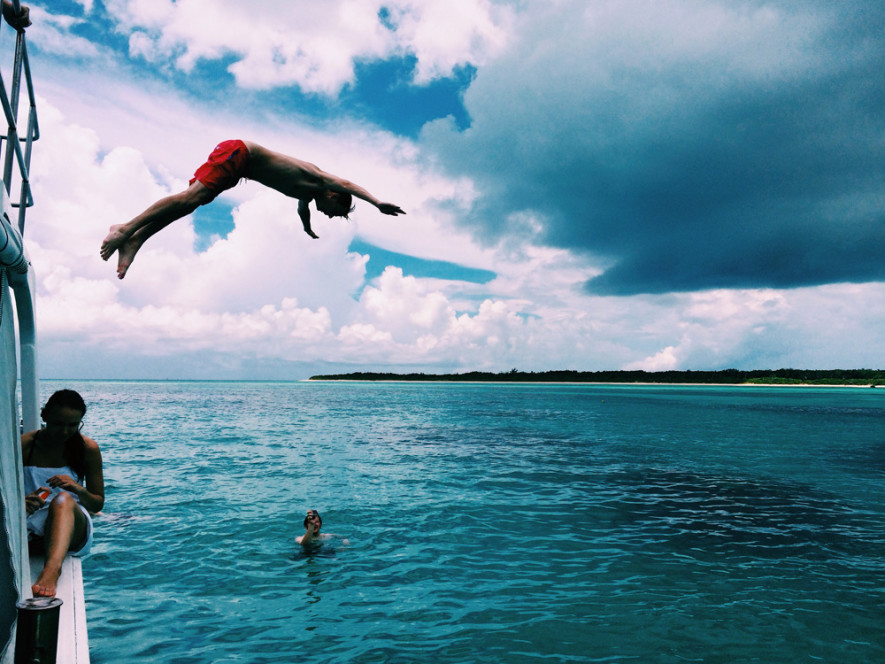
(65, 525)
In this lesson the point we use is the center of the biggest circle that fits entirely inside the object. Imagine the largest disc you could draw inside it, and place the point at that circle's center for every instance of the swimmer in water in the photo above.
(313, 523)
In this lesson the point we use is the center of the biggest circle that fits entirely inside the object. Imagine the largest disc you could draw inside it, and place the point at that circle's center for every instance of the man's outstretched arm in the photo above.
(345, 186)
(335, 183)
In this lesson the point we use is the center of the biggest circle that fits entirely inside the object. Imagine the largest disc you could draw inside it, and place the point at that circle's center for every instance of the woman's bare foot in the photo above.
(46, 582)
(113, 240)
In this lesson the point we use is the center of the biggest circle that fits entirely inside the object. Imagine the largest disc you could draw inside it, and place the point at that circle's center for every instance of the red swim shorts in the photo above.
(228, 163)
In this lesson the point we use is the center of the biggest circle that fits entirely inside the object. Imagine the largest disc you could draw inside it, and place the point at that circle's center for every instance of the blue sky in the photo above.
(589, 185)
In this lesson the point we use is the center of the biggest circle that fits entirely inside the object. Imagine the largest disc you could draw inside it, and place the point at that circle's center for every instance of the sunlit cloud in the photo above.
(312, 45)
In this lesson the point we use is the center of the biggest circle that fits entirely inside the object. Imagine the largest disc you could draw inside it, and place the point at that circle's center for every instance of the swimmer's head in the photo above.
(334, 203)
(313, 514)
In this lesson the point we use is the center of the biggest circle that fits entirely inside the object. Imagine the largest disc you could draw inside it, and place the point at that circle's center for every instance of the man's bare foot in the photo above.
(46, 582)
(112, 241)
(126, 256)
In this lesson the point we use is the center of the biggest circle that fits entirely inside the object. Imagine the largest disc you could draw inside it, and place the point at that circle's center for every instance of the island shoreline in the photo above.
(862, 378)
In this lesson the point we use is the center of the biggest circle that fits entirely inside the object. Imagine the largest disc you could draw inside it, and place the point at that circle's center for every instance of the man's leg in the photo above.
(128, 237)
(65, 525)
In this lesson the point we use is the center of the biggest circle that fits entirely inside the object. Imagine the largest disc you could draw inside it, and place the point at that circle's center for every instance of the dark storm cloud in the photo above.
(690, 146)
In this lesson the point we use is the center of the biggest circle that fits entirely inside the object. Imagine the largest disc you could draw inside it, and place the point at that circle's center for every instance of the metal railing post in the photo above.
(13, 139)
(36, 633)
(12, 116)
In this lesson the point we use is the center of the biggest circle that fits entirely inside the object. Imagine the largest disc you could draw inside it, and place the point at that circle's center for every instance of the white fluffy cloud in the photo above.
(312, 44)
(53, 34)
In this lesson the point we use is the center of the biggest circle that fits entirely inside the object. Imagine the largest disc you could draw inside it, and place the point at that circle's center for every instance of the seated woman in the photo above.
(63, 483)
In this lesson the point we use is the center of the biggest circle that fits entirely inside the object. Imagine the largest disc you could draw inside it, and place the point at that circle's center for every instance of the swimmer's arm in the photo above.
(308, 536)
(336, 536)
(304, 213)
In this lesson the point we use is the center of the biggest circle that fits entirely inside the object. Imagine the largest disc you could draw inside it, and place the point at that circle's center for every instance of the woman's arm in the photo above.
(92, 495)
(27, 440)
(94, 476)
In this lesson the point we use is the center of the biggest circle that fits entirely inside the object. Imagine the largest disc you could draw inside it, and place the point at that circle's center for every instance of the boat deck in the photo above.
(73, 644)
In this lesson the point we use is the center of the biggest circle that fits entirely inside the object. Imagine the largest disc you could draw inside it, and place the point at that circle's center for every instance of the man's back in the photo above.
(288, 175)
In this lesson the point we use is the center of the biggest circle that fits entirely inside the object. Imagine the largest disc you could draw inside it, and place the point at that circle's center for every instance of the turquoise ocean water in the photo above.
(487, 523)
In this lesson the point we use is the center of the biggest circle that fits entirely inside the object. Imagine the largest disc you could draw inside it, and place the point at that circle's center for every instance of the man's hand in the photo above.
(390, 208)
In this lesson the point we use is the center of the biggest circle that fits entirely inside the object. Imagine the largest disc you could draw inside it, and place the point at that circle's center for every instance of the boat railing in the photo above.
(13, 256)
(14, 154)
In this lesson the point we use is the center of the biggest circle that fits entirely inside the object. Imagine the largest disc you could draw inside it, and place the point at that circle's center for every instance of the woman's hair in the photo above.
(66, 399)
(75, 446)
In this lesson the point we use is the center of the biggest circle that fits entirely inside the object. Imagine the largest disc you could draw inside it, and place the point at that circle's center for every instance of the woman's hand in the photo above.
(36, 499)
(65, 482)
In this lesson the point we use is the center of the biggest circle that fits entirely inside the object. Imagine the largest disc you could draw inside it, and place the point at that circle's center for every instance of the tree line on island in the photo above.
(870, 377)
